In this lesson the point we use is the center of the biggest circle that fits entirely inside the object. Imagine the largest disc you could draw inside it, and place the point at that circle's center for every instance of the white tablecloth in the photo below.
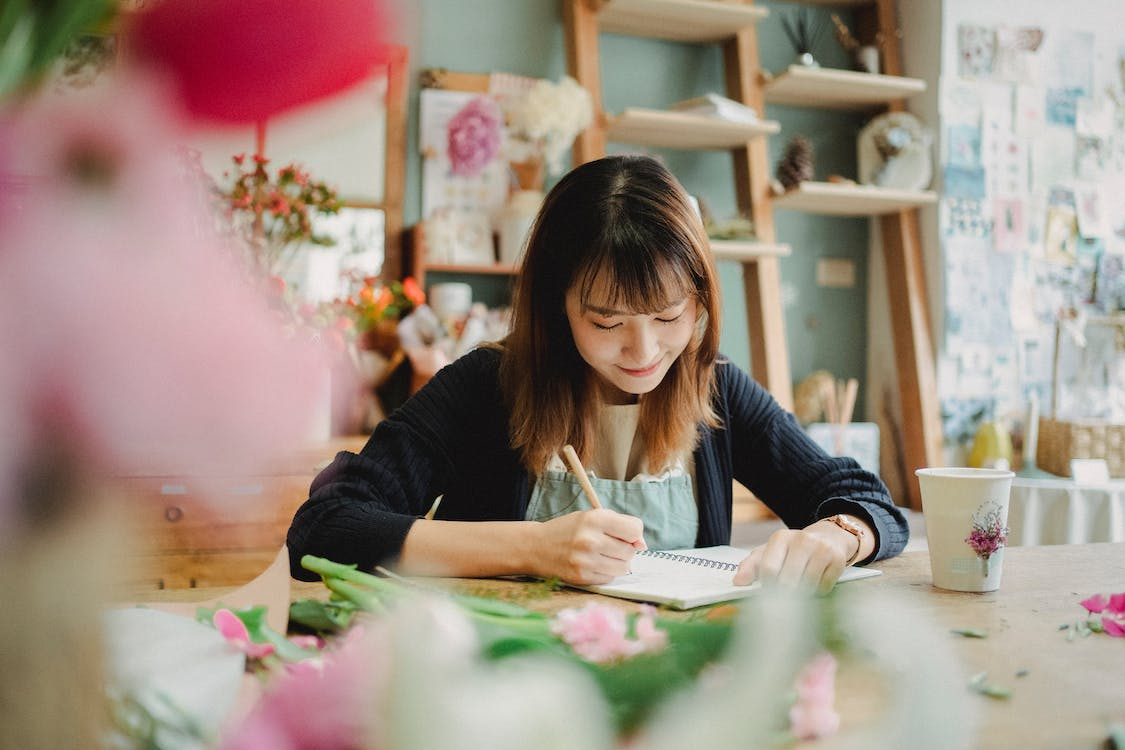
(1058, 511)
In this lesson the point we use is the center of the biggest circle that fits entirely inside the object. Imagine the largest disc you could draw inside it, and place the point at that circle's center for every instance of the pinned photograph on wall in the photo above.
(970, 296)
(976, 47)
(964, 218)
(1052, 156)
(1093, 129)
(1009, 171)
(1069, 75)
(1009, 227)
(1028, 111)
(1109, 292)
(485, 190)
(963, 173)
(1060, 240)
(1088, 208)
(1015, 59)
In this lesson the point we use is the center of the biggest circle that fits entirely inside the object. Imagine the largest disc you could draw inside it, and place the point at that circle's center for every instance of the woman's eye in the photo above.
(609, 327)
(670, 320)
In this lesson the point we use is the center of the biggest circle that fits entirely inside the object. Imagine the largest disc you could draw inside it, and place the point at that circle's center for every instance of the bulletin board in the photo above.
(1031, 216)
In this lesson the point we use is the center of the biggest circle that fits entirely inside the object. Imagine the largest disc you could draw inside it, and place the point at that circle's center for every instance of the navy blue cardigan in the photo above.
(451, 439)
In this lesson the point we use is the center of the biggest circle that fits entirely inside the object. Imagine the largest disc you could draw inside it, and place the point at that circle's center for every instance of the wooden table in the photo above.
(1072, 690)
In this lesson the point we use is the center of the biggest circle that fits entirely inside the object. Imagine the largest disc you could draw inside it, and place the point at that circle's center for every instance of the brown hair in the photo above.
(625, 224)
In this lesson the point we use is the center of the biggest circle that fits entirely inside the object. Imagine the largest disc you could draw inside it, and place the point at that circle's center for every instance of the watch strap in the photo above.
(853, 528)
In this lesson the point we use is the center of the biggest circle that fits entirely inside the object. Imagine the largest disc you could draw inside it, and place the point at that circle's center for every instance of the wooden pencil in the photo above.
(579, 472)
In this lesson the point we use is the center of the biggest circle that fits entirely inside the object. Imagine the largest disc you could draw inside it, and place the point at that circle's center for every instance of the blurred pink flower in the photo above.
(600, 632)
(129, 336)
(328, 703)
(813, 715)
(1112, 610)
(474, 136)
(247, 60)
(234, 630)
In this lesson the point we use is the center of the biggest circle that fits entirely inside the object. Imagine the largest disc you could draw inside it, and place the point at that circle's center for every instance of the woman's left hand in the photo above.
(815, 556)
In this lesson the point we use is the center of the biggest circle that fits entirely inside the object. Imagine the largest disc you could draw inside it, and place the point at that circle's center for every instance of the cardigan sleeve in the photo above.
(776, 460)
(361, 506)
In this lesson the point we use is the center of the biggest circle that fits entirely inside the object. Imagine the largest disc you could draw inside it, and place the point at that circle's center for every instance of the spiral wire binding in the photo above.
(690, 559)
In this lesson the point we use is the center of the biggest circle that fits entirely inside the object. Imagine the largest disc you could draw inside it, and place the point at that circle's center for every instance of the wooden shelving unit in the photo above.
(700, 22)
(897, 213)
(830, 88)
(842, 199)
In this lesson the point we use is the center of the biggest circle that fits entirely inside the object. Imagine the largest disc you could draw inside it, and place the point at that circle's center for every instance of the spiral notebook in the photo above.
(687, 578)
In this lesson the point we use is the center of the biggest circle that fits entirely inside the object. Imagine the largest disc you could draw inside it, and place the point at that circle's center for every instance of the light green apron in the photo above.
(667, 506)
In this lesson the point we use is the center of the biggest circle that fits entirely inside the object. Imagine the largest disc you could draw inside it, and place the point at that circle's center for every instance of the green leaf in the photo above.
(979, 683)
(322, 616)
(634, 687)
(970, 632)
(497, 607)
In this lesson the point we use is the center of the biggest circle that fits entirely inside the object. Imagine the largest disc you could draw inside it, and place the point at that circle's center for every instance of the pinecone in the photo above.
(796, 163)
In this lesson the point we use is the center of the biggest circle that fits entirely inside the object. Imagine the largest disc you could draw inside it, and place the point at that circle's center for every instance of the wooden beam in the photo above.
(394, 162)
(761, 278)
(581, 20)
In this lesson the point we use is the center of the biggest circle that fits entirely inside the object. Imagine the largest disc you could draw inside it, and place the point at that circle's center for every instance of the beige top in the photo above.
(619, 453)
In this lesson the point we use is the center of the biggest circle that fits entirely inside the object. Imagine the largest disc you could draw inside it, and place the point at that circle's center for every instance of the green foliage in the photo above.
(633, 686)
(34, 33)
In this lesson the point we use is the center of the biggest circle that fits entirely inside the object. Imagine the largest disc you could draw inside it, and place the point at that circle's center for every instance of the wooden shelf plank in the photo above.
(832, 88)
(662, 128)
(833, 199)
(836, 3)
(678, 20)
(747, 250)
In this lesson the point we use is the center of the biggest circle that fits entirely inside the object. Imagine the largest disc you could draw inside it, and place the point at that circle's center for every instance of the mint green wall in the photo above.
(825, 327)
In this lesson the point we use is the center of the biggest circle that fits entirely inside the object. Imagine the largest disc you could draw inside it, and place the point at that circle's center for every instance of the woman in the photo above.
(613, 349)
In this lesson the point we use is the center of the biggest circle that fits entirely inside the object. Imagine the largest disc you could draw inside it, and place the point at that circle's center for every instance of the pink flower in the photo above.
(130, 338)
(1095, 604)
(989, 534)
(600, 632)
(474, 136)
(813, 716)
(1112, 610)
(319, 704)
(247, 60)
(234, 630)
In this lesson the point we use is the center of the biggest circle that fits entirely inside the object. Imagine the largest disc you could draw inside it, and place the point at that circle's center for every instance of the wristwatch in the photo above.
(853, 528)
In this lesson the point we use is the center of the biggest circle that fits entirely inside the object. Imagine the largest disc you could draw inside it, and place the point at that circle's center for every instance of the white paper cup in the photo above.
(966, 513)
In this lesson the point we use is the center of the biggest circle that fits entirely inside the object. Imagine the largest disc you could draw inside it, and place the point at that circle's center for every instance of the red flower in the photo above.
(247, 60)
(413, 292)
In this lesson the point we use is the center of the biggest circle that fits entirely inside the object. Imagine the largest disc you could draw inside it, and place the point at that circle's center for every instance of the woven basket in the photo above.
(1060, 441)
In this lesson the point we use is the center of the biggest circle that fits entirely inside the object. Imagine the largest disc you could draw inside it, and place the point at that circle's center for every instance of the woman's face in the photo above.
(630, 352)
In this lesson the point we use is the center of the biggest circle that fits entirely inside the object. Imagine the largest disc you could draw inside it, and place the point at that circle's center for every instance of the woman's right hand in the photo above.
(590, 546)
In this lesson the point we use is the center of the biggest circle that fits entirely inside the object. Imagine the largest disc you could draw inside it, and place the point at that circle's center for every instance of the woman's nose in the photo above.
(641, 347)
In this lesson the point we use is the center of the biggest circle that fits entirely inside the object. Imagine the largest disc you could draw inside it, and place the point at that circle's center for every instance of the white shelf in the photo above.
(747, 250)
(832, 88)
(843, 199)
(678, 20)
(662, 128)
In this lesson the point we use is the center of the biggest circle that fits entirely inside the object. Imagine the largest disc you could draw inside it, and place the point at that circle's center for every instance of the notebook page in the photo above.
(684, 585)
